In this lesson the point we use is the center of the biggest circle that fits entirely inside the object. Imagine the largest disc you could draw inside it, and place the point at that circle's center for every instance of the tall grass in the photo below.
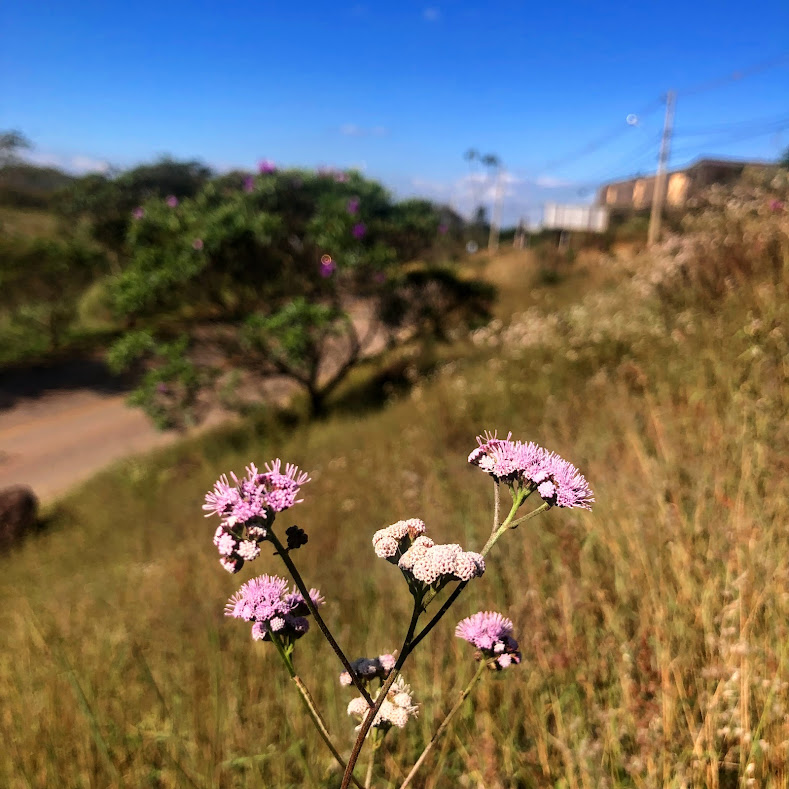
(654, 630)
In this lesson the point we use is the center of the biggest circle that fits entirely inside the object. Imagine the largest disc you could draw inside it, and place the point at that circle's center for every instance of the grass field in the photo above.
(654, 630)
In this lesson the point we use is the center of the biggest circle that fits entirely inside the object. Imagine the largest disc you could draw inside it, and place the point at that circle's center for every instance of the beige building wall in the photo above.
(640, 193)
(677, 189)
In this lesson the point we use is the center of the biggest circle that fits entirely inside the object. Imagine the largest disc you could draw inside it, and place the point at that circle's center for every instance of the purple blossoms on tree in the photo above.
(491, 634)
(359, 230)
(266, 602)
(558, 481)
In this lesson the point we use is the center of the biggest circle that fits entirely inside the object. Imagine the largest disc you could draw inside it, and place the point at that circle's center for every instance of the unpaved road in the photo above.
(59, 426)
(58, 438)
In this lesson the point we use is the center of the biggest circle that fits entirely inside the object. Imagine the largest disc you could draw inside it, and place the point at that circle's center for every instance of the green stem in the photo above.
(496, 505)
(305, 593)
(509, 523)
(445, 723)
(544, 506)
(309, 703)
(382, 693)
(368, 778)
(441, 611)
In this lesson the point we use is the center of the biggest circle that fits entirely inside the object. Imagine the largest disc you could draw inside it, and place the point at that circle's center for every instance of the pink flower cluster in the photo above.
(247, 507)
(558, 482)
(395, 711)
(368, 669)
(435, 565)
(491, 634)
(265, 600)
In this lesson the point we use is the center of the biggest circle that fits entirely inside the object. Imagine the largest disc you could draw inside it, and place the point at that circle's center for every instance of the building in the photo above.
(636, 194)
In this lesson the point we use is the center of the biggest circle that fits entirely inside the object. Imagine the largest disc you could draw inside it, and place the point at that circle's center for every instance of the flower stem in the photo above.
(445, 723)
(309, 703)
(368, 779)
(441, 611)
(496, 505)
(544, 506)
(509, 523)
(305, 593)
(382, 693)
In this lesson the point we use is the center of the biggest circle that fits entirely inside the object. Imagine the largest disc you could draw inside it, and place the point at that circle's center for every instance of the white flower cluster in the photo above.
(395, 711)
(395, 539)
(431, 563)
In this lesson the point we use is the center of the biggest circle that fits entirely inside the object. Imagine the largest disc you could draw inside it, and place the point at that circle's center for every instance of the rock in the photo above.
(18, 514)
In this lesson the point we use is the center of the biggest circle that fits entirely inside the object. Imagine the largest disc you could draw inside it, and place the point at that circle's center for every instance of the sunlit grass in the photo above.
(644, 625)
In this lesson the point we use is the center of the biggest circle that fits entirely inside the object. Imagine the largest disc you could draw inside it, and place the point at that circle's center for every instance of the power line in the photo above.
(741, 137)
(702, 87)
(735, 76)
(604, 139)
(735, 126)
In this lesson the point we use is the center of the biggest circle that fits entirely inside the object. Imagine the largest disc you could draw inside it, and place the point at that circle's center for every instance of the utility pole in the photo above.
(659, 193)
(495, 221)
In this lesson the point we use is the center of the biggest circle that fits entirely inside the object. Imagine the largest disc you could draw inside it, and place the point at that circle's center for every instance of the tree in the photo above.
(41, 282)
(11, 143)
(290, 274)
(107, 201)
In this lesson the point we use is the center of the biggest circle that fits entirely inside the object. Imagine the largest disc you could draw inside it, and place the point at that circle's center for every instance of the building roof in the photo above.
(696, 164)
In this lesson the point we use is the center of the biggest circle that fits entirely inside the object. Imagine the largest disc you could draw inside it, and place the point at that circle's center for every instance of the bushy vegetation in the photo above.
(653, 630)
(287, 273)
(295, 274)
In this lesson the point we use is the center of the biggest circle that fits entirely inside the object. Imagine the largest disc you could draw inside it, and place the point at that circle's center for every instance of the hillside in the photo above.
(653, 629)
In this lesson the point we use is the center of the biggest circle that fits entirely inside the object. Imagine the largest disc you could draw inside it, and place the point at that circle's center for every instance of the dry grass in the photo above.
(654, 630)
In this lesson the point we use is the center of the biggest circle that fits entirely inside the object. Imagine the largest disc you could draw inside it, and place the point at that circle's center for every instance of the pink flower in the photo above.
(266, 603)
(353, 205)
(266, 166)
(138, 212)
(172, 201)
(197, 244)
(340, 177)
(359, 230)
(776, 206)
(328, 266)
(491, 633)
(249, 184)
(247, 506)
(558, 482)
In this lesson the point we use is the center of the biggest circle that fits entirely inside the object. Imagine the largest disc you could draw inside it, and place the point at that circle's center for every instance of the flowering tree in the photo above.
(290, 273)
(248, 508)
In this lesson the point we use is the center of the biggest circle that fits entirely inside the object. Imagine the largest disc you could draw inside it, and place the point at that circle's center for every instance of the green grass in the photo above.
(644, 625)
(28, 222)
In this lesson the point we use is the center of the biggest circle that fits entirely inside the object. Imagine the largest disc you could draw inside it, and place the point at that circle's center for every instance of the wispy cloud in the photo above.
(76, 163)
(521, 196)
(353, 130)
(549, 182)
(431, 14)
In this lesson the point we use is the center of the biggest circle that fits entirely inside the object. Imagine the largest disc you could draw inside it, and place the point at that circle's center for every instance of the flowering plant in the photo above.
(248, 507)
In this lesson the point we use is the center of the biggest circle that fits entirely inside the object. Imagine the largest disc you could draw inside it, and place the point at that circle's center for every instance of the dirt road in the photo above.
(57, 439)
(60, 425)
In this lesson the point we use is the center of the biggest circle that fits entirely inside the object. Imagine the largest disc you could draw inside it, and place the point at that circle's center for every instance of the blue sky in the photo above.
(401, 89)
